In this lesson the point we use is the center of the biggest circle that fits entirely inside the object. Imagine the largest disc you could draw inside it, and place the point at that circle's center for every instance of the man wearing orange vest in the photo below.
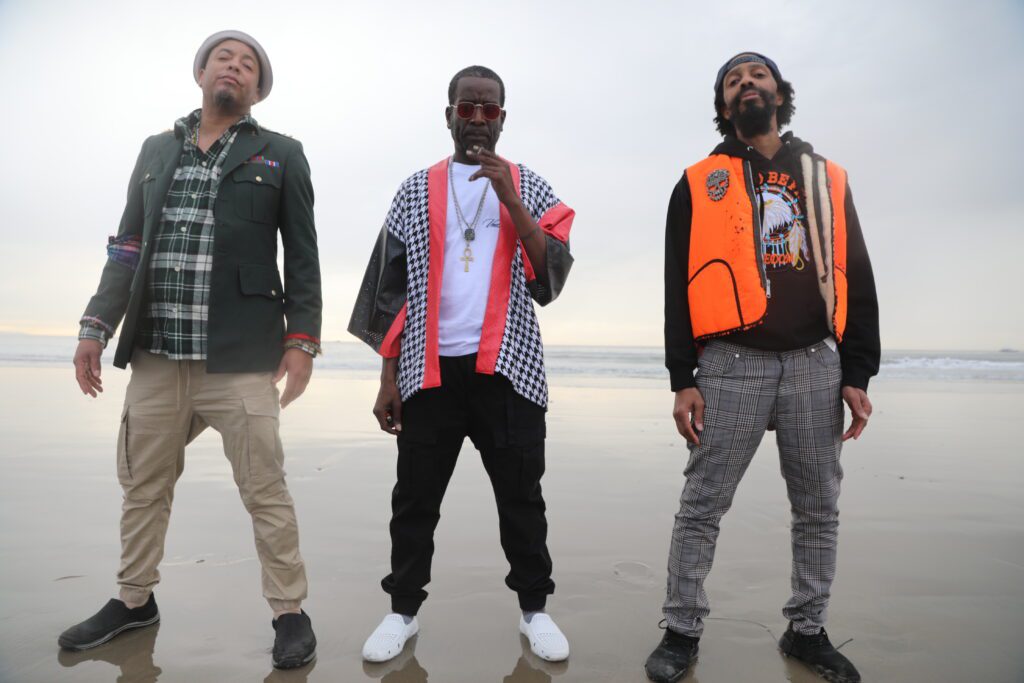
(770, 297)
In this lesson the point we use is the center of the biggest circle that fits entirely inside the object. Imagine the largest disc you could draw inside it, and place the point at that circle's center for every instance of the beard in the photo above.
(753, 119)
(225, 99)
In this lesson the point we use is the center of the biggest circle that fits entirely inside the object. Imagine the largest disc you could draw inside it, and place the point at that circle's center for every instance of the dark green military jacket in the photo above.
(249, 304)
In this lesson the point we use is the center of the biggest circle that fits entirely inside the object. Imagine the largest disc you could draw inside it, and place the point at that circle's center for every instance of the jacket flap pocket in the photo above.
(260, 280)
(257, 173)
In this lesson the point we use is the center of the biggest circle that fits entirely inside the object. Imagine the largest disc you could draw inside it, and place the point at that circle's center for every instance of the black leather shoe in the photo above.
(294, 644)
(672, 658)
(818, 653)
(114, 618)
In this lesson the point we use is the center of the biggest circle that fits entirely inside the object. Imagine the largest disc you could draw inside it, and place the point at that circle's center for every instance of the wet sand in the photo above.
(930, 584)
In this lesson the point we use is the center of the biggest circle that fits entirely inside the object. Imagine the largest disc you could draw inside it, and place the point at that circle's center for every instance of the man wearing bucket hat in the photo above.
(770, 297)
(209, 329)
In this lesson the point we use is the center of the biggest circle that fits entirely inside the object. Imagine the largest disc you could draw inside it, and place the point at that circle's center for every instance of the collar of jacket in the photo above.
(184, 125)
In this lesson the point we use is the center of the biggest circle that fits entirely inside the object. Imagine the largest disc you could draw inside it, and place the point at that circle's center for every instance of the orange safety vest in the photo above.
(728, 287)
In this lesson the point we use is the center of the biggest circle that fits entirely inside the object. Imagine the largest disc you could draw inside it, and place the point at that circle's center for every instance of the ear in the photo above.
(726, 114)
(202, 75)
(448, 116)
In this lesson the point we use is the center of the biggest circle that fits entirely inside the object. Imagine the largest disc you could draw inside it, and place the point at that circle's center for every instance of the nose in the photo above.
(478, 115)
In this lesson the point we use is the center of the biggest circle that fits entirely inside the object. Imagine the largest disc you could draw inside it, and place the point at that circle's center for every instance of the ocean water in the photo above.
(584, 362)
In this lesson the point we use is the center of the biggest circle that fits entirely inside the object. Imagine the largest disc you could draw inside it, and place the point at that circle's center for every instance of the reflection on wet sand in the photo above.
(532, 669)
(405, 668)
(299, 675)
(402, 669)
(131, 652)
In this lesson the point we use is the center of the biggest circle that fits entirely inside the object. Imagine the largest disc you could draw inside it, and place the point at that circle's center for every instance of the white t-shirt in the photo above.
(464, 294)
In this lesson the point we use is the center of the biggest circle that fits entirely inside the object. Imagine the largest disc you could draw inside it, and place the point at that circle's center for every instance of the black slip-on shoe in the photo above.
(672, 658)
(818, 653)
(294, 644)
(114, 618)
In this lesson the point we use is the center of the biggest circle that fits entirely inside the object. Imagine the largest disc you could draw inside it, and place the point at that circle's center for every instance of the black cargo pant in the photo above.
(508, 430)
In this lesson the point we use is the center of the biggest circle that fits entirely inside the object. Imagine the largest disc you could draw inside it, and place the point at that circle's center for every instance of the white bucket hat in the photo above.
(266, 73)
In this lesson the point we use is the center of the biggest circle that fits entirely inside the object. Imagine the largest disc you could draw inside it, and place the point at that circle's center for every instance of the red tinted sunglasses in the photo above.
(466, 110)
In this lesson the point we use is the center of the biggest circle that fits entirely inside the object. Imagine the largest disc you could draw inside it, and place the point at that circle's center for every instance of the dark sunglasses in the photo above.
(466, 110)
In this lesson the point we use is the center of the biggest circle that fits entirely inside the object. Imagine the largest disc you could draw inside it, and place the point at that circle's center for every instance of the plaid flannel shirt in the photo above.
(178, 290)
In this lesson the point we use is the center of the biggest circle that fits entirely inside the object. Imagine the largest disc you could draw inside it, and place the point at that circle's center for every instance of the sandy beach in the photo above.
(930, 583)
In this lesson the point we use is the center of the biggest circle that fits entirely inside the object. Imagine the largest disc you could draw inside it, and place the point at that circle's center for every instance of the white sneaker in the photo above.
(388, 639)
(546, 640)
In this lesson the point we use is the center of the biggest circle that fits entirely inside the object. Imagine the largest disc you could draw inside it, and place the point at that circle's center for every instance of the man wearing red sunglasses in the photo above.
(468, 245)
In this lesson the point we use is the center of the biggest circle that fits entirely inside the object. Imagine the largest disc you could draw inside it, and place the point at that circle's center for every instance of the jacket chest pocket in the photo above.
(257, 191)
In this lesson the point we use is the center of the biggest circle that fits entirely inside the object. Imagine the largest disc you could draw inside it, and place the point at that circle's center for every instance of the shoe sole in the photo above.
(78, 647)
(291, 664)
(681, 675)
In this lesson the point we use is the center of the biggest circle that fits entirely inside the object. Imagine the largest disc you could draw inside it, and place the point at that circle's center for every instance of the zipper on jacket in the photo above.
(758, 246)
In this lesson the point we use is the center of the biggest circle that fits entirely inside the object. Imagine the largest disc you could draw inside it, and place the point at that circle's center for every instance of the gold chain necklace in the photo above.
(469, 232)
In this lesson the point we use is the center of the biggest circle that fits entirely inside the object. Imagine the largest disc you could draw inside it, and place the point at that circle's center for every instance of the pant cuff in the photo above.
(533, 603)
(133, 595)
(807, 628)
(283, 605)
(407, 606)
(690, 629)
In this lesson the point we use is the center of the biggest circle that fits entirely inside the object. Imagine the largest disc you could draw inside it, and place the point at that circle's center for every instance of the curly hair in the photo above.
(784, 114)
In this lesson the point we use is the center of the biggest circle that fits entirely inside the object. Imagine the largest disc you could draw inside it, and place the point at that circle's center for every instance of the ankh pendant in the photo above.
(467, 257)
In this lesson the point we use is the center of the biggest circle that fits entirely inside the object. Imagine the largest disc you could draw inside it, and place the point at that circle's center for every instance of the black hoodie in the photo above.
(796, 315)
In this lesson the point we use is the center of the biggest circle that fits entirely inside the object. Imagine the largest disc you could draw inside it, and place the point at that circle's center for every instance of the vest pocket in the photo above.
(714, 299)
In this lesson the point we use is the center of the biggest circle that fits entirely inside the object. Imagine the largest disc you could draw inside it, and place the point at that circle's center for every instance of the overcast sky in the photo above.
(610, 101)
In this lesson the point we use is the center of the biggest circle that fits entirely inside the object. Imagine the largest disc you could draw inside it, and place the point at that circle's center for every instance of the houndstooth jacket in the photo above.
(398, 305)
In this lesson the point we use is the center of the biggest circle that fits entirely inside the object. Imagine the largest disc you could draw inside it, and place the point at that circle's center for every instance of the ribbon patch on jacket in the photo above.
(125, 250)
(264, 161)
(717, 184)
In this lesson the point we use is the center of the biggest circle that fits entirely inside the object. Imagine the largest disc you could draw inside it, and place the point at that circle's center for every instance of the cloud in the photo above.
(609, 102)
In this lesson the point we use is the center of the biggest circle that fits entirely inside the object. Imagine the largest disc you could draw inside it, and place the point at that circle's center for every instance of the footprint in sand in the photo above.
(636, 573)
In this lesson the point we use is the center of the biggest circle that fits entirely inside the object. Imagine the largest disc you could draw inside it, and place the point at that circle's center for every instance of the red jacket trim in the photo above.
(501, 282)
(296, 335)
(556, 222)
(390, 347)
(437, 208)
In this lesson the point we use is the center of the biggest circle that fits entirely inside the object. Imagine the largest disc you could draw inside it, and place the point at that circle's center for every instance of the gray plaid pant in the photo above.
(745, 391)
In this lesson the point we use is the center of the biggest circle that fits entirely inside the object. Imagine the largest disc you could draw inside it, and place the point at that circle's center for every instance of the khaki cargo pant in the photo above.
(168, 404)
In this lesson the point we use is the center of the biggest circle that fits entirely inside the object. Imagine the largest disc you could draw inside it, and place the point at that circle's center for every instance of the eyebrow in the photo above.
(735, 72)
(245, 55)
